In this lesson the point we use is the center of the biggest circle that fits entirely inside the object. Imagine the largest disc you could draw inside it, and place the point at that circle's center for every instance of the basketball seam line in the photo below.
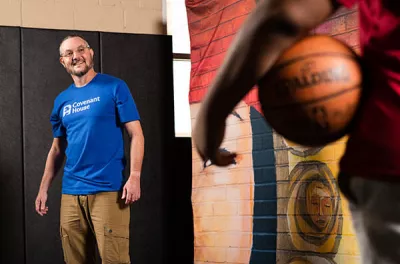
(314, 100)
(335, 54)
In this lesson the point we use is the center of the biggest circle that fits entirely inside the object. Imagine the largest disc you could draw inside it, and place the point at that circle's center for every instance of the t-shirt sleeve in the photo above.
(55, 120)
(346, 3)
(127, 110)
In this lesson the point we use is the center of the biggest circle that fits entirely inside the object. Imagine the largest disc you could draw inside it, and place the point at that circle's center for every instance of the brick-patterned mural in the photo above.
(280, 202)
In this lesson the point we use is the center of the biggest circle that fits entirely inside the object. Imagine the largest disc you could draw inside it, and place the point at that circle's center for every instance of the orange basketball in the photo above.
(311, 94)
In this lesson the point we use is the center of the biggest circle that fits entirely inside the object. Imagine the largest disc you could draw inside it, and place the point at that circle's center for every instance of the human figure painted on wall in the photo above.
(319, 205)
(314, 208)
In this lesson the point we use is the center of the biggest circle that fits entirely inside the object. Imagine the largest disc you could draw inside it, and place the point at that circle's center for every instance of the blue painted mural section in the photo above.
(265, 195)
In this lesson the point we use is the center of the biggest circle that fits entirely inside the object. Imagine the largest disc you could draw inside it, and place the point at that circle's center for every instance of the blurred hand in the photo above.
(208, 139)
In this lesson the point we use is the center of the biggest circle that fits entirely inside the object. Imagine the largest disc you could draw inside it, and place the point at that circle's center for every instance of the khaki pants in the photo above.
(101, 218)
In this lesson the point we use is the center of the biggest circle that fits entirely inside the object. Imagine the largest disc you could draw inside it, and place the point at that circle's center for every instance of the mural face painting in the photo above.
(314, 207)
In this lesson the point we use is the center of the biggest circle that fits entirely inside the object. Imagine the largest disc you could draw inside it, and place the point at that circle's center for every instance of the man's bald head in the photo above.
(69, 37)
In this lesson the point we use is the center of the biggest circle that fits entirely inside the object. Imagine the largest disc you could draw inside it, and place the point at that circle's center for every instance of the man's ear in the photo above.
(62, 61)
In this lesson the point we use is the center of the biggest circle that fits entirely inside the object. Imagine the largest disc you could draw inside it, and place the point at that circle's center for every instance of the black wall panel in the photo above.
(180, 233)
(30, 79)
(145, 63)
(11, 179)
(43, 79)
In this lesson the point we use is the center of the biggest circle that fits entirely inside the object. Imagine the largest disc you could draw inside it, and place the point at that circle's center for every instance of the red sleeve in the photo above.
(346, 3)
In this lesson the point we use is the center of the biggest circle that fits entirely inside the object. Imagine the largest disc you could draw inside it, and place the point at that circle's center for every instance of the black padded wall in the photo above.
(180, 233)
(144, 62)
(43, 79)
(30, 79)
(11, 185)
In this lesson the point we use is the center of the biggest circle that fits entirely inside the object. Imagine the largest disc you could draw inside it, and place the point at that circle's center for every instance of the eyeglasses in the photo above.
(80, 50)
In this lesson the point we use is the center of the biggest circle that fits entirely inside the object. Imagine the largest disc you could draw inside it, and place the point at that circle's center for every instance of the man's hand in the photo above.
(40, 203)
(131, 190)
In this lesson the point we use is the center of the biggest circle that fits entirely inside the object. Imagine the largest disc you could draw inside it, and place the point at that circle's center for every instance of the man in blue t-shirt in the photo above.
(88, 119)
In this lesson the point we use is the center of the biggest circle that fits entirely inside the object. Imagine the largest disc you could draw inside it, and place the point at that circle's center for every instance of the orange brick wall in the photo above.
(222, 198)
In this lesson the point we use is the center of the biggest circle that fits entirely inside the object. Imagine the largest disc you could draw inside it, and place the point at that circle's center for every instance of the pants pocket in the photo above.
(116, 244)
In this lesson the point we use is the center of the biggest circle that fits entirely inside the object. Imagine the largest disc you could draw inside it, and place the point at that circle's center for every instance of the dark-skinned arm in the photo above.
(272, 27)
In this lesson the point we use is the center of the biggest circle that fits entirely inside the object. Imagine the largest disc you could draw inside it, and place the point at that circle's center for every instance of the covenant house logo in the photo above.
(79, 106)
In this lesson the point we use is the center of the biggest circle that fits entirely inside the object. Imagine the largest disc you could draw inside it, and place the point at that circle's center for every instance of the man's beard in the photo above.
(80, 72)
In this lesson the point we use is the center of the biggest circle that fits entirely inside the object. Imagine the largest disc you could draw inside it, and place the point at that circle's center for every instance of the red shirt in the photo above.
(373, 148)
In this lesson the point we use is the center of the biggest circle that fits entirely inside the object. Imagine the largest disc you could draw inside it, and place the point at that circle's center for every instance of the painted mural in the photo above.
(313, 208)
(279, 202)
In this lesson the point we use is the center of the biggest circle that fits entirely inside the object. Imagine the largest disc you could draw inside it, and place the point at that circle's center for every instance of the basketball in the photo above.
(311, 94)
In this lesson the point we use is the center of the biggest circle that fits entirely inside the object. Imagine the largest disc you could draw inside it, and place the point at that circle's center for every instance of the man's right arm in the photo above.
(54, 161)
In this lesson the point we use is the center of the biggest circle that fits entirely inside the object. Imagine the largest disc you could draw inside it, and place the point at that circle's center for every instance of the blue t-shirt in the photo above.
(91, 118)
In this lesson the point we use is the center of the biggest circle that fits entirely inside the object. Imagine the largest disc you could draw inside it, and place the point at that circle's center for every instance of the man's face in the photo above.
(76, 56)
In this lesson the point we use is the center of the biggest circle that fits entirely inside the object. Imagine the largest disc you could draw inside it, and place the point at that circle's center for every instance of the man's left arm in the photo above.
(131, 190)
